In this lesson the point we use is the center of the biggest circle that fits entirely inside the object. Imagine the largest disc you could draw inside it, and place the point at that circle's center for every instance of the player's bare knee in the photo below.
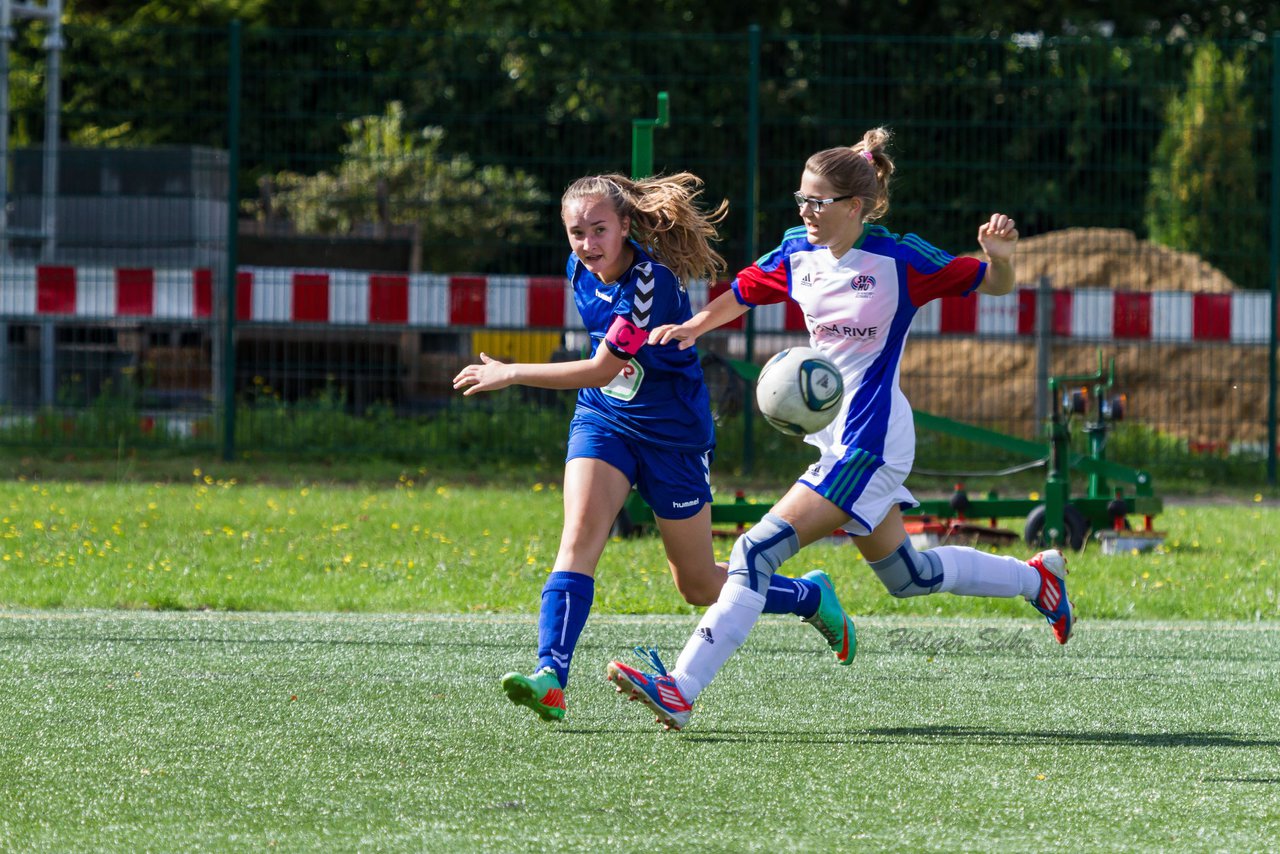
(700, 593)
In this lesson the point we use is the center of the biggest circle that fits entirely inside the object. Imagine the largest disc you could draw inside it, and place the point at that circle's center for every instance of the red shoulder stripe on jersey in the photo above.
(959, 277)
(758, 287)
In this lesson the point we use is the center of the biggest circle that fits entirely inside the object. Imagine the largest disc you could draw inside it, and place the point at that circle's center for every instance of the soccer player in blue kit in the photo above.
(643, 416)
(859, 286)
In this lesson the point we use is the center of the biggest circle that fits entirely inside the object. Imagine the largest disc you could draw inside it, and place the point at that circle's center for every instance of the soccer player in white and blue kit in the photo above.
(643, 417)
(859, 286)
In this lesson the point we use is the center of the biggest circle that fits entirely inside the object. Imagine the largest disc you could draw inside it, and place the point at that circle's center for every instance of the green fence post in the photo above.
(233, 224)
(1274, 266)
(752, 206)
(642, 139)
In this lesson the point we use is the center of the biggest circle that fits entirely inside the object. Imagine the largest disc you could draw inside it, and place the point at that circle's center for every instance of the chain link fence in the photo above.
(288, 241)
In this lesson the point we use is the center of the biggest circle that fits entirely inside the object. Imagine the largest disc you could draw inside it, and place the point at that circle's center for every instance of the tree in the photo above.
(1203, 188)
(391, 175)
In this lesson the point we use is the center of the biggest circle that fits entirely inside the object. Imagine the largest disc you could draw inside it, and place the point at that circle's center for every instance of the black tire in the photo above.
(1073, 520)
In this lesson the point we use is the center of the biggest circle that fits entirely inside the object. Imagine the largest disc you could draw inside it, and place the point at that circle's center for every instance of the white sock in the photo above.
(969, 572)
(724, 628)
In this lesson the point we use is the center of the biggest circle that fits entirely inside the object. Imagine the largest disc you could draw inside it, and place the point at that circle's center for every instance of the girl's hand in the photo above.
(490, 375)
(669, 332)
(997, 237)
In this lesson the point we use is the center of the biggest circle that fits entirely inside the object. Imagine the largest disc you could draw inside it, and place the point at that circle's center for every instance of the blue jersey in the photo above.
(660, 397)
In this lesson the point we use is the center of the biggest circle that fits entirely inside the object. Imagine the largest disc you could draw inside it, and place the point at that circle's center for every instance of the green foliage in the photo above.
(113, 416)
(1025, 111)
(1252, 19)
(94, 136)
(392, 175)
(1203, 188)
(491, 431)
(508, 430)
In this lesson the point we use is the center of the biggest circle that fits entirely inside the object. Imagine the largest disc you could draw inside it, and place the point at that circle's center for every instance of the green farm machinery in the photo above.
(1059, 518)
(1056, 516)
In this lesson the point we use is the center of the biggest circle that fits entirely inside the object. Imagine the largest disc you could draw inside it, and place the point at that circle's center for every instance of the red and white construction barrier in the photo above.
(88, 292)
(346, 298)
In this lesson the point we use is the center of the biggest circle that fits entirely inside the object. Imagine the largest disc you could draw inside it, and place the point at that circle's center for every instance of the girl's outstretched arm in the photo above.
(717, 313)
(491, 375)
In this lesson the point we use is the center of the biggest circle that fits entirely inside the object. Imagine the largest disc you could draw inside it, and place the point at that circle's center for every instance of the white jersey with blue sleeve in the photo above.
(858, 309)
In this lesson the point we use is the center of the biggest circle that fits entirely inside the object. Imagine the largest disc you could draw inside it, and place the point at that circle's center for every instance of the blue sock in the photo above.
(797, 596)
(566, 601)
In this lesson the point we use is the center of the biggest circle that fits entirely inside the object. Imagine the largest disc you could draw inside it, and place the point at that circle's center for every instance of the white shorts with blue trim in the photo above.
(863, 484)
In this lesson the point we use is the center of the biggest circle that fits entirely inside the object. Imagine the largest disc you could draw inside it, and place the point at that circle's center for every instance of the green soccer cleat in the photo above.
(540, 692)
(831, 621)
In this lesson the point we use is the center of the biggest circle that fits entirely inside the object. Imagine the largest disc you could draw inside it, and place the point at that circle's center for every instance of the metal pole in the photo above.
(752, 200)
(752, 206)
(642, 139)
(5, 392)
(48, 364)
(54, 44)
(6, 36)
(1274, 266)
(232, 257)
(1044, 329)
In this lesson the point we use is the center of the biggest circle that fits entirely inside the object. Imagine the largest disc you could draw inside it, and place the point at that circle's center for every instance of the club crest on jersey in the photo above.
(863, 284)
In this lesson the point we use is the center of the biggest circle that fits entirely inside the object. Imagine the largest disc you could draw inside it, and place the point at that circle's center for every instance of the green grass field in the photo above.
(140, 731)
(201, 663)
(444, 547)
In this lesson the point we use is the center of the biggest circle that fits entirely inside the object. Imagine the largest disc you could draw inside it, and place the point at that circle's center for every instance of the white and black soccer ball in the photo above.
(799, 391)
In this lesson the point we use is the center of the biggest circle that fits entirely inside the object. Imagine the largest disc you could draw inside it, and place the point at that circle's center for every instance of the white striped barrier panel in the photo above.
(271, 295)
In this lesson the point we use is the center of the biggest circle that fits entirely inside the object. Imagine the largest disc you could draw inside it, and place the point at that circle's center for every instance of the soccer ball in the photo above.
(799, 391)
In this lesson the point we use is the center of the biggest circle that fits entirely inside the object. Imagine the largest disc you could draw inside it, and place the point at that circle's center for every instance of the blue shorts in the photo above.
(675, 484)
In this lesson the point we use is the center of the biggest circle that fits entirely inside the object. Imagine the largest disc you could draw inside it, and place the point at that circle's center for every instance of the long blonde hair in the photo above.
(665, 218)
(861, 170)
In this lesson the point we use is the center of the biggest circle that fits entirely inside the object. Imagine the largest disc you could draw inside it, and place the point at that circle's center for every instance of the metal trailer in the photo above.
(1113, 492)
